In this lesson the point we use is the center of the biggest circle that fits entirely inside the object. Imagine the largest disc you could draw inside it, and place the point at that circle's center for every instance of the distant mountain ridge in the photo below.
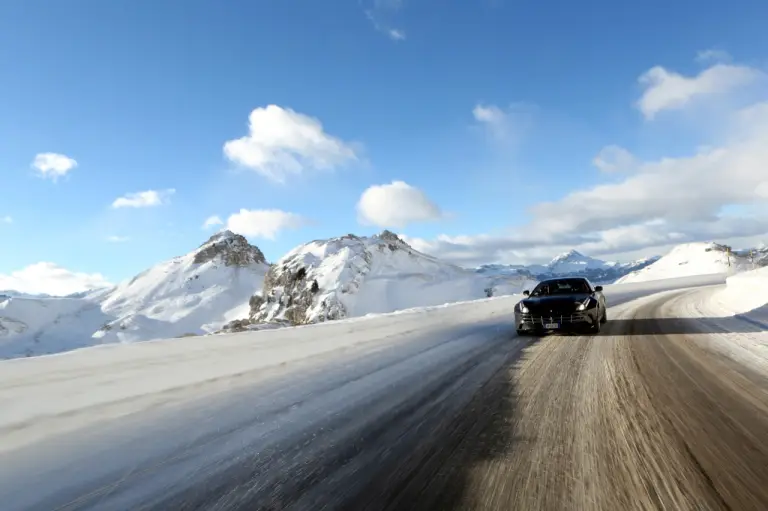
(571, 263)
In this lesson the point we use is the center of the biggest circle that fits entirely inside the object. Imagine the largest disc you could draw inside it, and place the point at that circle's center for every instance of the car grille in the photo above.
(540, 319)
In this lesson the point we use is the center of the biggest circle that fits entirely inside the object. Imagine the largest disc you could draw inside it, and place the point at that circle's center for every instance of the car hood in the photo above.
(555, 302)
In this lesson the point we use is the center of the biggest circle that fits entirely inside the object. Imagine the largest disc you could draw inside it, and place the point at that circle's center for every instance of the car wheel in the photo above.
(522, 333)
(596, 326)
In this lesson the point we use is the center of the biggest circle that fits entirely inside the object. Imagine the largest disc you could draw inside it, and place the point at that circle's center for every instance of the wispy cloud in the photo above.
(507, 126)
(713, 55)
(117, 239)
(7, 219)
(144, 199)
(380, 14)
(212, 221)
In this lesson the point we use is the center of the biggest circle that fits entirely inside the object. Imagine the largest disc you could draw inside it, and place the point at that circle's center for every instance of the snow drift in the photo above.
(354, 276)
(188, 295)
(691, 259)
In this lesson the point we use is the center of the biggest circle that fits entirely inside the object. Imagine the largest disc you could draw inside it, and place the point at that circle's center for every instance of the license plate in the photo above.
(551, 326)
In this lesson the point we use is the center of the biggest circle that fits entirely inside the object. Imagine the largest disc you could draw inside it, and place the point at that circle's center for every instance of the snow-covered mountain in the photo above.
(187, 295)
(353, 276)
(571, 263)
(691, 259)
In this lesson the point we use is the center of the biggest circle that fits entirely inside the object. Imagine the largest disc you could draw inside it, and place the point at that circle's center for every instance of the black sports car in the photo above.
(569, 303)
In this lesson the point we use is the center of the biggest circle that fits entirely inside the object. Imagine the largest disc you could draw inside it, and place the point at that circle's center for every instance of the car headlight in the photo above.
(523, 308)
(582, 306)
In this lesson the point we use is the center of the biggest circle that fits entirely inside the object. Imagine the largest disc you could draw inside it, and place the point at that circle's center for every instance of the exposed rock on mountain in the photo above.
(233, 250)
(352, 276)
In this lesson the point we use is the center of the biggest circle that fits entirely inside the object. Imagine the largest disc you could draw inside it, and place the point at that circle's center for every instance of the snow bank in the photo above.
(745, 295)
(690, 259)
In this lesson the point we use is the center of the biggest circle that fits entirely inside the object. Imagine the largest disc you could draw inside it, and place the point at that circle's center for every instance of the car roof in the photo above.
(553, 279)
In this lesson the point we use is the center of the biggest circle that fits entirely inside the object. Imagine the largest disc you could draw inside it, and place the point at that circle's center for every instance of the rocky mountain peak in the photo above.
(233, 249)
(568, 256)
(392, 240)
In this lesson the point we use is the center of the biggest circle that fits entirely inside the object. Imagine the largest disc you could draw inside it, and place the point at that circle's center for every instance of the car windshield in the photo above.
(560, 287)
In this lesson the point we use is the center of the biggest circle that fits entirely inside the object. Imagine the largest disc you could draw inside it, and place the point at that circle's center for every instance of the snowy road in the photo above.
(438, 409)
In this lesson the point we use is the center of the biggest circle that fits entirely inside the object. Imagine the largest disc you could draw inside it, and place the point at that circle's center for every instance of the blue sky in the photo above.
(491, 112)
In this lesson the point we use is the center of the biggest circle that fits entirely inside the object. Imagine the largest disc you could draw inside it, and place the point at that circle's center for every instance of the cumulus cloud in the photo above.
(613, 158)
(282, 142)
(53, 165)
(667, 90)
(212, 221)
(381, 13)
(263, 223)
(117, 239)
(52, 279)
(395, 205)
(144, 199)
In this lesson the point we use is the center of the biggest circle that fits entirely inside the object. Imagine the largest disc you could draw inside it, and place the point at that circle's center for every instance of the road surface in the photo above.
(643, 416)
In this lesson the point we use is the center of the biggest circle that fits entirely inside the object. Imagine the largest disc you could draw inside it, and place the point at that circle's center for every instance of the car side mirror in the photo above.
(598, 288)
(526, 293)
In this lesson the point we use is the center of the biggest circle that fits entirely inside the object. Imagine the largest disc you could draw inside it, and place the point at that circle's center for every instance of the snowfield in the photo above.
(690, 259)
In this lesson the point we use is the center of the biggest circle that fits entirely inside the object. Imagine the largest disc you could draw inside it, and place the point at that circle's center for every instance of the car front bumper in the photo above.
(562, 321)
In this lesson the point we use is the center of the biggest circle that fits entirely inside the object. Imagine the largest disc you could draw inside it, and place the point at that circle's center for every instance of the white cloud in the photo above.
(117, 239)
(282, 142)
(713, 55)
(667, 90)
(53, 165)
(52, 279)
(613, 158)
(395, 205)
(212, 221)
(7, 219)
(263, 223)
(144, 199)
